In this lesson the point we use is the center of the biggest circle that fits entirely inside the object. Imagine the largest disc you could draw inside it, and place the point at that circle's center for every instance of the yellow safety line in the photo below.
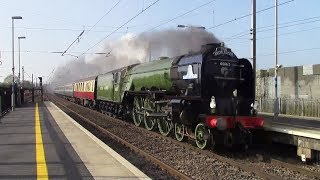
(42, 171)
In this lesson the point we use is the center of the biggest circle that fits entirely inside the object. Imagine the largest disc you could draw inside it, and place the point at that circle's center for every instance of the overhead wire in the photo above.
(290, 25)
(304, 30)
(66, 29)
(50, 75)
(235, 36)
(56, 29)
(50, 52)
(247, 15)
(287, 52)
(41, 15)
(180, 15)
(87, 32)
(63, 20)
(279, 35)
(72, 43)
(292, 51)
(299, 20)
(245, 33)
(176, 17)
(143, 10)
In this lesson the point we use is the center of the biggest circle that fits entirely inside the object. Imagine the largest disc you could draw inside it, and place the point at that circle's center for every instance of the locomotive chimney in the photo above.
(208, 47)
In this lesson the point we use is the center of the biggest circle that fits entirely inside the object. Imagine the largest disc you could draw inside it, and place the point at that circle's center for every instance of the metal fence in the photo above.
(299, 107)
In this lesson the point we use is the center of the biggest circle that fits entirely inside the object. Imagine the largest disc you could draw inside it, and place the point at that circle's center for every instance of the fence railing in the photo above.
(299, 107)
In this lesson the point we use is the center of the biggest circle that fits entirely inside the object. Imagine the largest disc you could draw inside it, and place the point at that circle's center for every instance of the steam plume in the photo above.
(130, 49)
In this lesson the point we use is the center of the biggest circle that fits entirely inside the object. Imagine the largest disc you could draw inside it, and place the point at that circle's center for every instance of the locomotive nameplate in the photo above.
(223, 51)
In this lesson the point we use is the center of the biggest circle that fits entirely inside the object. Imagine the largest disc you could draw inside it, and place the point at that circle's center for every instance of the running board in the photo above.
(156, 114)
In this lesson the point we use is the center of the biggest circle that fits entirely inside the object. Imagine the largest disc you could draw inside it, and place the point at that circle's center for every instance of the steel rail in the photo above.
(174, 172)
(240, 165)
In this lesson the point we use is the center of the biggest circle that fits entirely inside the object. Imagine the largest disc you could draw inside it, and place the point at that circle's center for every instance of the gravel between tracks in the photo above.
(193, 164)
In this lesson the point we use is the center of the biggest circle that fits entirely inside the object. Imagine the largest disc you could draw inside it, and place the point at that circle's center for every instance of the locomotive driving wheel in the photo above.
(201, 134)
(137, 112)
(149, 122)
(164, 126)
(179, 131)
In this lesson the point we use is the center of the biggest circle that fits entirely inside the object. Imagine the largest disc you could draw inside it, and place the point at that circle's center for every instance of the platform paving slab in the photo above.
(18, 148)
(101, 161)
(71, 152)
(295, 121)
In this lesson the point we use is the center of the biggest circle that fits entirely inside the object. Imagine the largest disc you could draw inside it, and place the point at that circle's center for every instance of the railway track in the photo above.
(295, 167)
(252, 168)
(232, 162)
(149, 157)
(240, 164)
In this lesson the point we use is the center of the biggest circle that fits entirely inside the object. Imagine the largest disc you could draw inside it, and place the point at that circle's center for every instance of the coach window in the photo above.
(88, 86)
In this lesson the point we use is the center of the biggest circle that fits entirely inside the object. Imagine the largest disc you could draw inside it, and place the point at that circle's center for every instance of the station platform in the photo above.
(303, 132)
(295, 125)
(39, 141)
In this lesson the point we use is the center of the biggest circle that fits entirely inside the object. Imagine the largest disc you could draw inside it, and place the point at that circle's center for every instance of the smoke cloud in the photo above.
(130, 49)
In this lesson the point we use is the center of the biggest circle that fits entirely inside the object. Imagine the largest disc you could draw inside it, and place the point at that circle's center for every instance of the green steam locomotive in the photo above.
(207, 96)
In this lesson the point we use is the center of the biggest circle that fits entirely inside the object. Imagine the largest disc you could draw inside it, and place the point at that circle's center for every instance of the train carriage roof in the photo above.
(86, 79)
(119, 69)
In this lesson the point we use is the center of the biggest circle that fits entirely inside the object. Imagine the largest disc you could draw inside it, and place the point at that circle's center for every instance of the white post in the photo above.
(253, 42)
(19, 59)
(22, 76)
(12, 94)
(12, 89)
(276, 103)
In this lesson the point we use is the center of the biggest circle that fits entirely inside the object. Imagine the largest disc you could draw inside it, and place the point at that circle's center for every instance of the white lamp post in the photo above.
(12, 95)
(20, 37)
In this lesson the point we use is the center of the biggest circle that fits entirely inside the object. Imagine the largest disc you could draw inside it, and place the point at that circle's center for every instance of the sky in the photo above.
(51, 26)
